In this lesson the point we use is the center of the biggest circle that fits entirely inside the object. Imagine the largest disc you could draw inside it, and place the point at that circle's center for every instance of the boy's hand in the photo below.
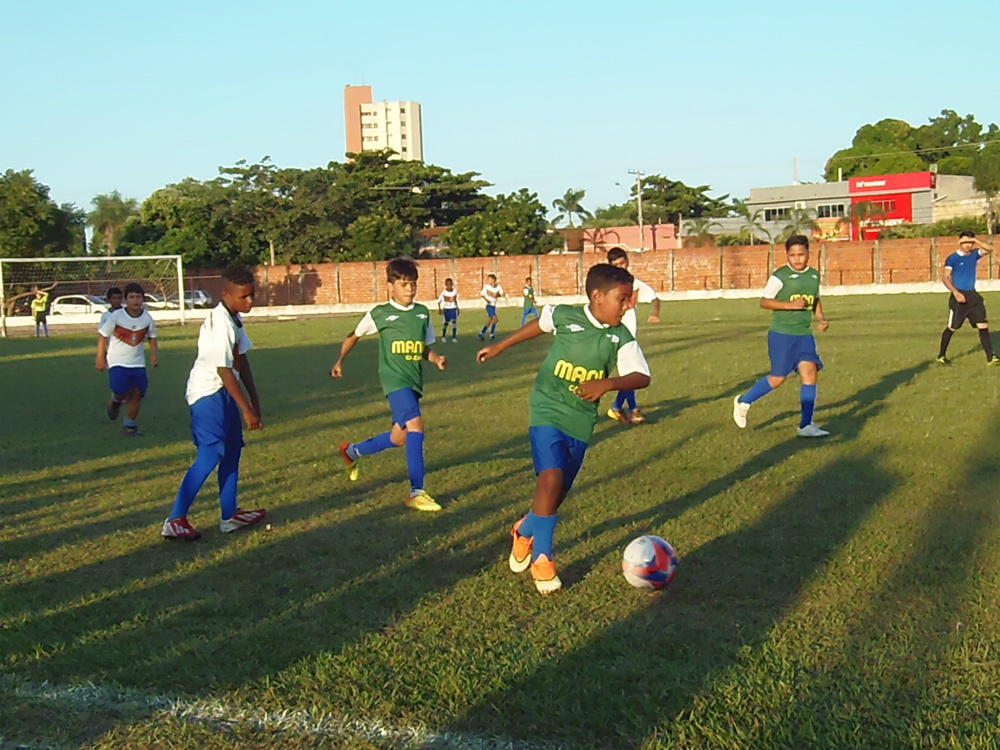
(654, 318)
(438, 359)
(799, 303)
(252, 420)
(101, 364)
(154, 360)
(337, 370)
(487, 352)
(823, 324)
(591, 390)
(959, 297)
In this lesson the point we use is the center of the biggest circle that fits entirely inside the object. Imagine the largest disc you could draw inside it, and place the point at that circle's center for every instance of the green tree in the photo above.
(378, 236)
(513, 224)
(32, 224)
(800, 221)
(700, 230)
(108, 217)
(571, 205)
(753, 221)
(986, 178)
(860, 215)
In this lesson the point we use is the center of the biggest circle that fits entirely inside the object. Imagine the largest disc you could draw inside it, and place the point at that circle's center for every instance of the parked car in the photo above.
(155, 302)
(197, 298)
(78, 304)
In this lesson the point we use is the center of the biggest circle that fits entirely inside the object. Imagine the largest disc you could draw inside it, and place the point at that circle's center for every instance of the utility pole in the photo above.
(638, 200)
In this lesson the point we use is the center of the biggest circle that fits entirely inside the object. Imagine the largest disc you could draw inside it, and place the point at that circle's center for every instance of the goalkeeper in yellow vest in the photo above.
(405, 334)
(792, 294)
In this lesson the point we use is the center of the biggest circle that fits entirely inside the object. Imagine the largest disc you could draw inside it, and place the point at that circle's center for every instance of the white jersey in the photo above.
(104, 317)
(641, 292)
(125, 335)
(490, 293)
(221, 340)
(448, 300)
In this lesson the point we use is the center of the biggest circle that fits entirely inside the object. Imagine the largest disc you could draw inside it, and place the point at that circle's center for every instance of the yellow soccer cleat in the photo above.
(420, 500)
(352, 465)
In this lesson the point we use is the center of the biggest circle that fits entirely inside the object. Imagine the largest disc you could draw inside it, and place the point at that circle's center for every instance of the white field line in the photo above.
(226, 716)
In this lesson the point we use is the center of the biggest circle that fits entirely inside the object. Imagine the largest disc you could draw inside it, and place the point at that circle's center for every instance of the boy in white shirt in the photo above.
(492, 291)
(119, 351)
(216, 401)
(448, 307)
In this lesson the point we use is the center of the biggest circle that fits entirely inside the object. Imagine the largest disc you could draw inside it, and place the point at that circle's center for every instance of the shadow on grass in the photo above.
(641, 675)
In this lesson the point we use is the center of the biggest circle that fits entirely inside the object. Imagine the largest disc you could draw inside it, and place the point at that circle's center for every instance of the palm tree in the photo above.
(700, 229)
(108, 218)
(569, 206)
(861, 215)
(801, 221)
(753, 220)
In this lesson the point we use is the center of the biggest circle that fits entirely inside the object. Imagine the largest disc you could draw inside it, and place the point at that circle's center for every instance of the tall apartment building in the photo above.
(371, 126)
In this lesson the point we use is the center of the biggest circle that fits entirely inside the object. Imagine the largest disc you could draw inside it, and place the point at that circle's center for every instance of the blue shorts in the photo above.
(529, 311)
(405, 405)
(491, 311)
(451, 316)
(786, 351)
(123, 379)
(554, 449)
(216, 420)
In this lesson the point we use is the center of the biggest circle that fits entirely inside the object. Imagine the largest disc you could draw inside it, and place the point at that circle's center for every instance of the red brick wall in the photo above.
(887, 262)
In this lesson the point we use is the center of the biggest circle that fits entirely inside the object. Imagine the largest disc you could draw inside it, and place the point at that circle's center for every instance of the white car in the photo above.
(78, 304)
(154, 302)
(197, 298)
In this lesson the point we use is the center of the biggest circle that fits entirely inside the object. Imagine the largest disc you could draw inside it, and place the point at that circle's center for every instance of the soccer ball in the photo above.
(649, 563)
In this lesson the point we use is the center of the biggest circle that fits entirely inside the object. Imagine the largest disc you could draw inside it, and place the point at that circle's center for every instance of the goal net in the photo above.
(74, 289)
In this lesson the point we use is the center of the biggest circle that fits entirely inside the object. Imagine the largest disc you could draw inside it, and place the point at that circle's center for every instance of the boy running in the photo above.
(405, 333)
(529, 302)
(448, 307)
(965, 303)
(589, 343)
(120, 352)
(216, 401)
(793, 295)
(491, 292)
(624, 410)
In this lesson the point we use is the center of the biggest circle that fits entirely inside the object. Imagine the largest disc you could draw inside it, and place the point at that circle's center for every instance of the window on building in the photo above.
(885, 207)
(831, 211)
(402, 136)
(404, 149)
(775, 214)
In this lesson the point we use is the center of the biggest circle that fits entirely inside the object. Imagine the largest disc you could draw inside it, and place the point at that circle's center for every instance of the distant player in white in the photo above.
(492, 291)
(448, 307)
(624, 410)
(120, 352)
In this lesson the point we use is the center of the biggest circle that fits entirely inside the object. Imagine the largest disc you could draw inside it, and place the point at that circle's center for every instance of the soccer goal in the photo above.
(73, 289)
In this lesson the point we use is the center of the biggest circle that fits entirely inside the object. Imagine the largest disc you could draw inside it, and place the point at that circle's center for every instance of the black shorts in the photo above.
(973, 310)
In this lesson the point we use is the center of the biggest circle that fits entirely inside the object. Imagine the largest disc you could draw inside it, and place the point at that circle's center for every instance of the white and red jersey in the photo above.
(221, 340)
(490, 293)
(125, 336)
(641, 292)
(448, 300)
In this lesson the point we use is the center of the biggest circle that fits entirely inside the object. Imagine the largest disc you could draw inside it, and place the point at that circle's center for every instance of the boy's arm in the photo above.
(946, 278)
(233, 386)
(154, 352)
(655, 317)
(632, 362)
(102, 353)
(820, 317)
(987, 248)
(246, 377)
(345, 349)
(524, 333)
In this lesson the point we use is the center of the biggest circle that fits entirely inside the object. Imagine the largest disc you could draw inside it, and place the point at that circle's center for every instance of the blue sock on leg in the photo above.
(372, 445)
(493, 329)
(415, 459)
(229, 468)
(760, 389)
(485, 329)
(195, 477)
(807, 396)
(619, 401)
(542, 529)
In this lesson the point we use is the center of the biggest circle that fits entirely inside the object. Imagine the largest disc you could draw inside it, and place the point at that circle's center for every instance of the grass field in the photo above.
(841, 593)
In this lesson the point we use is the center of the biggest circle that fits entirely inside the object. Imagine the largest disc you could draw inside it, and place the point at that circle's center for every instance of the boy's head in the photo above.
(114, 297)
(492, 278)
(448, 284)
(401, 274)
(967, 239)
(609, 289)
(618, 257)
(527, 280)
(135, 296)
(797, 251)
(37, 291)
(238, 288)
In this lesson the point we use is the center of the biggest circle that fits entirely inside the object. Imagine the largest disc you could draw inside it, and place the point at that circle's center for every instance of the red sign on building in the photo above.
(890, 197)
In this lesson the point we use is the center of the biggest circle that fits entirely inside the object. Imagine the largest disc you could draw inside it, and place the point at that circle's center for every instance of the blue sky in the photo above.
(547, 94)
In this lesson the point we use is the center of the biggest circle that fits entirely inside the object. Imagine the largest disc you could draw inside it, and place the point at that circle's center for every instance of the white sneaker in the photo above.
(811, 430)
(740, 411)
(241, 519)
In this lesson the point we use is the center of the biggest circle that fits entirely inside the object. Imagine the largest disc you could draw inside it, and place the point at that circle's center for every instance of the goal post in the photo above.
(76, 287)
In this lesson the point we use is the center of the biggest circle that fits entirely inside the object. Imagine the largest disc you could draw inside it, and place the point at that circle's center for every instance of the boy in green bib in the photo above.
(405, 333)
(589, 343)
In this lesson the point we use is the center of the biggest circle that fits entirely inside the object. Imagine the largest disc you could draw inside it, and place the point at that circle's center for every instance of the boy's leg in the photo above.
(984, 339)
(781, 350)
(946, 335)
(207, 459)
(45, 326)
(137, 390)
(493, 327)
(808, 372)
(229, 468)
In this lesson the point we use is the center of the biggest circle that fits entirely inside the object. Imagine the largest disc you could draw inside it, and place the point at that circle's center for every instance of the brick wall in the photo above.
(691, 268)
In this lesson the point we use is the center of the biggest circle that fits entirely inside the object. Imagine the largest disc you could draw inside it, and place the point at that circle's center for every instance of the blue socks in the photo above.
(229, 468)
(485, 329)
(129, 422)
(415, 459)
(807, 395)
(540, 529)
(375, 444)
(493, 329)
(760, 389)
(623, 398)
(204, 463)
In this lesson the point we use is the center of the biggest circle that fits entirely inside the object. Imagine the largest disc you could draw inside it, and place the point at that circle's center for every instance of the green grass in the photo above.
(832, 594)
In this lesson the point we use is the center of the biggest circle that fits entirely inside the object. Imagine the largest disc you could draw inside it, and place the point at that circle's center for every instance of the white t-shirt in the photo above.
(491, 293)
(104, 316)
(448, 300)
(641, 292)
(630, 357)
(221, 339)
(125, 335)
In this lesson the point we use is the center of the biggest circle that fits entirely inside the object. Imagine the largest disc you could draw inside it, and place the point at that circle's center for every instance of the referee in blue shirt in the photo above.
(965, 303)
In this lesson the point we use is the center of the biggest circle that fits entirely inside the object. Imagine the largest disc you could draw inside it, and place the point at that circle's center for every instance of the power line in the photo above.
(917, 150)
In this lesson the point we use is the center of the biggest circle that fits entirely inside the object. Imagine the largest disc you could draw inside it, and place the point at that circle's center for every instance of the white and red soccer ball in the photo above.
(649, 563)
